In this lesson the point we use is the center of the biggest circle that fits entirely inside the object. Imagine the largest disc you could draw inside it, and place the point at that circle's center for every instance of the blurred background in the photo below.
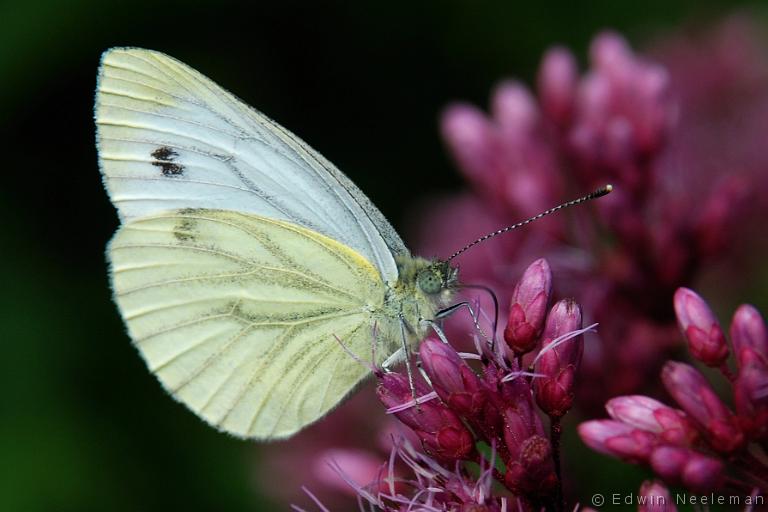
(83, 425)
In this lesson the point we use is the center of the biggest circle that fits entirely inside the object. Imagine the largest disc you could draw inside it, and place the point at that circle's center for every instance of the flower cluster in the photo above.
(681, 137)
(485, 406)
(618, 123)
(703, 445)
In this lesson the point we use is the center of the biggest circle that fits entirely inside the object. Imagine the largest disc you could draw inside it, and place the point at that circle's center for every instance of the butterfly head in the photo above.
(437, 278)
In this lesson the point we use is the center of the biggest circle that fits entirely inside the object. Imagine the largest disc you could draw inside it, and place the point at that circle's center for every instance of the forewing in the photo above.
(170, 138)
(242, 318)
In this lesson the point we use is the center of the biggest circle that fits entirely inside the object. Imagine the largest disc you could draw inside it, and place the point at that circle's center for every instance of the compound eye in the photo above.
(429, 281)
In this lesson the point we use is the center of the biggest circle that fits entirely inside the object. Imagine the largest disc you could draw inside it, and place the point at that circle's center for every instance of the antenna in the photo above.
(594, 195)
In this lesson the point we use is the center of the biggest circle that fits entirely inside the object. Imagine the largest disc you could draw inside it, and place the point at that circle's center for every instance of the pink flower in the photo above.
(655, 497)
(698, 446)
(618, 439)
(507, 159)
(694, 395)
(749, 335)
(559, 359)
(706, 340)
(426, 485)
(557, 82)
(455, 382)
(687, 467)
(490, 404)
(622, 112)
(440, 430)
(643, 126)
(530, 466)
(680, 133)
(528, 309)
(672, 425)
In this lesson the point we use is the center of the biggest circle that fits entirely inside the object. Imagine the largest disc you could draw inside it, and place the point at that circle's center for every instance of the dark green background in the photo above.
(83, 426)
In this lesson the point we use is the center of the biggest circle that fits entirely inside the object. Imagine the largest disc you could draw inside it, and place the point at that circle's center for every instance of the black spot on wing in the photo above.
(164, 158)
(164, 153)
(170, 169)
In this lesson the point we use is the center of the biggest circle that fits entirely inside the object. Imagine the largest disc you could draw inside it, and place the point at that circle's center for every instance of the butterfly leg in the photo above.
(443, 313)
(392, 360)
(407, 352)
(438, 330)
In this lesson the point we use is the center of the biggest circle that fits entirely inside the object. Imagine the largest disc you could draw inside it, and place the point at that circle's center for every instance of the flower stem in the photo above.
(555, 431)
(726, 371)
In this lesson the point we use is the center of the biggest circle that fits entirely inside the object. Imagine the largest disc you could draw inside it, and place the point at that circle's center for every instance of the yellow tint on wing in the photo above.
(238, 315)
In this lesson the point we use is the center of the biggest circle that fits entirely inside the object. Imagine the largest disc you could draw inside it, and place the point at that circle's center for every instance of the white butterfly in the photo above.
(246, 262)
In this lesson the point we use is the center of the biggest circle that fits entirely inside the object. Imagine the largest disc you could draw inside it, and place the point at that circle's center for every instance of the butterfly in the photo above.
(247, 267)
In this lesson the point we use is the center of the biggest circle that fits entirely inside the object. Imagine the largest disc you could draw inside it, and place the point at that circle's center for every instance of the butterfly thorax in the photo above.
(422, 289)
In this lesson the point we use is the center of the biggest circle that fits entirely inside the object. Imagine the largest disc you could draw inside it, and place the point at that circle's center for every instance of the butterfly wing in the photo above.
(242, 318)
(170, 138)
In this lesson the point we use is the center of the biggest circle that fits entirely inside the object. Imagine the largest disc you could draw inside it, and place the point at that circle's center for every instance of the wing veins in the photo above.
(258, 410)
(129, 268)
(194, 182)
(211, 359)
(176, 73)
(243, 332)
(295, 388)
(187, 350)
(180, 99)
(187, 323)
(157, 65)
(255, 235)
(175, 118)
(231, 102)
(223, 96)
(183, 247)
(246, 387)
(106, 91)
(228, 162)
(306, 153)
(255, 268)
(330, 379)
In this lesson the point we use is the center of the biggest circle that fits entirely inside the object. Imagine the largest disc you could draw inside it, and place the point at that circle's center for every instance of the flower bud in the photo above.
(557, 84)
(519, 426)
(748, 332)
(706, 341)
(668, 461)
(469, 135)
(679, 465)
(618, 439)
(515, 110)
(654, 497)
(645, 413)
(610, 50)
(692, 392)
(453, 380)
(442, 433)
(558, 363)
(529, 306)
(750, 392)
(530, 468)
(622, 114)
(533, 472)
(702, 473)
